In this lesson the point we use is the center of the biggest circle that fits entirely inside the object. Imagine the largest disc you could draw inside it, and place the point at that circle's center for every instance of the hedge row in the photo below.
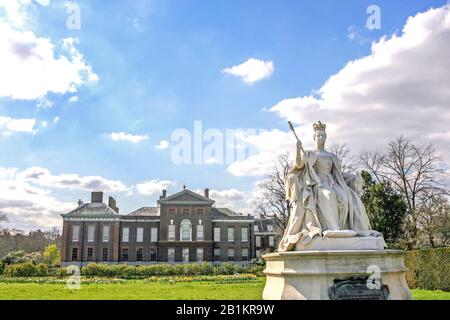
(26, 269)
(145, 271)
(429, 269)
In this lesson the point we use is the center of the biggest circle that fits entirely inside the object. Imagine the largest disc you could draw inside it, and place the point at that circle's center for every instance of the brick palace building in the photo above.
(183, 227)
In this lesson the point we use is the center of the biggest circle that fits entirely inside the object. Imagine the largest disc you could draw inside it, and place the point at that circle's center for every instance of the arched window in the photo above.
(186, 230)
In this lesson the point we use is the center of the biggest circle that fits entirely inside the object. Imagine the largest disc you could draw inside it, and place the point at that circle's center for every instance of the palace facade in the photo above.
(183, 227)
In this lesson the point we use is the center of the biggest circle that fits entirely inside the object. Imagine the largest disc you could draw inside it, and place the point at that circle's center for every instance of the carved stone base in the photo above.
(311, 275)
(354, 243)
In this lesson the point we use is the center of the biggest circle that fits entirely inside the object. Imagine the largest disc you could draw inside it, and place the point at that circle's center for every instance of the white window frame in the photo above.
(91, 233)
(105, 233)
(200, 255)
(230, 234)
(255, 228)
(200, 232)
(233, 256)
(244, 234)
(271, 241)
(216, 234)
(185, 253)
(171, 232)
(219, 255)
(154, 234)
(183, 225)
(258, 241)
(125, 234)
(270, 228)
(75, 233)
(139, 234)
(170, 254)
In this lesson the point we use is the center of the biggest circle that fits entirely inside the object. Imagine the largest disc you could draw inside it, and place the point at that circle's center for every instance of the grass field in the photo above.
(138, 290)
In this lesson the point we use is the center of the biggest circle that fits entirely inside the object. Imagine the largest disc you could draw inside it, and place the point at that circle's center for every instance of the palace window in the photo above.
(230, 254)
(244, 254)
(171, 254)
(200, 232)
(105, 254)
(217, 256)
(270, 228)
(256, 228)
(75, 233)
(186, 230)
(125, 234)
(139, 254)
(244, 234)
(271, 241)
(105, 233)
(139, 234)
(199, 254)
(91, 230)
(258, 241)
(171, 232)
(154, 234)
(216, 234)
(230, 234)
(200, 210)
(186, 211)
(153, 255)
(124, 254)
(185, 255)
(172, 210)
(90, 254)
(74, 254)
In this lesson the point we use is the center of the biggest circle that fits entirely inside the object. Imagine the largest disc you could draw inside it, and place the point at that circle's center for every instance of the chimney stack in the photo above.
(164, 193)
(97, 197)
(112, 204)
(207, 193)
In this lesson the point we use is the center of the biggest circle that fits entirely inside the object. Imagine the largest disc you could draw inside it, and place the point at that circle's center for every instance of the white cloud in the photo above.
(73, 99)
(153, 186)
(56, 120)
(43, 177)
(9, 125)
(252, 70)
(29, 207)
(33, 66)
(400, 88)
(123, 136)
(44, 103)
(163, 144)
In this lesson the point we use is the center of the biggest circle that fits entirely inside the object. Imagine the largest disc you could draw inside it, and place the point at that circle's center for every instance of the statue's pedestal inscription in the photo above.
(357, 289)
(300, 275)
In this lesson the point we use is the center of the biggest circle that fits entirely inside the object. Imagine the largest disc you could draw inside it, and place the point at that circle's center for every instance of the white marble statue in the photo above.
(323, 200)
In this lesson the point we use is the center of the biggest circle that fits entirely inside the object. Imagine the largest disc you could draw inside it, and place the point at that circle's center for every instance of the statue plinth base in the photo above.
(353, 243)
(312, 275)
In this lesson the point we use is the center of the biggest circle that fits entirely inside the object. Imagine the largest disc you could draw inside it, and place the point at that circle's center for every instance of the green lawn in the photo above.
(138, 290)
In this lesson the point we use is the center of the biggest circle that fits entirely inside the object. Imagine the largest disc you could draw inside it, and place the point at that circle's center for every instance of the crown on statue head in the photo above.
(319, 126)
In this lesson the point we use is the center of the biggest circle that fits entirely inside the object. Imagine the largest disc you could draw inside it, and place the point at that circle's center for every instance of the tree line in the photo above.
(405, 192)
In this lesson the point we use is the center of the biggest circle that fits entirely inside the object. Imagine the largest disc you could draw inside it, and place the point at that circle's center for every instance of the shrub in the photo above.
(429, 269)
(14, 257)
(145, 271)
(27, 269)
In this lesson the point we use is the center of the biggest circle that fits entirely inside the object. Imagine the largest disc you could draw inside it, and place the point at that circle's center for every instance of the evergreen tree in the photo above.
(385, 207)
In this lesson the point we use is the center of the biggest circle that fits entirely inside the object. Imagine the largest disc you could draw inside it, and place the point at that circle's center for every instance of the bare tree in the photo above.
(414, 172)
(343, 154)
(271, 201)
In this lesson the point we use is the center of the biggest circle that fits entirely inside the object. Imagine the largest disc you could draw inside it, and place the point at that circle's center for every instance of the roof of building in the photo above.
(186, 196)
(146, 211)
(93, 209)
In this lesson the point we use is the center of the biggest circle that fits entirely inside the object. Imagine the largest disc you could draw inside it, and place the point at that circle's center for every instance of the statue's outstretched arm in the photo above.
(299, 159)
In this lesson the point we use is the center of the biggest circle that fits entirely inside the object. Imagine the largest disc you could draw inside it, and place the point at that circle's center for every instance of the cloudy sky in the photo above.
(92, 93)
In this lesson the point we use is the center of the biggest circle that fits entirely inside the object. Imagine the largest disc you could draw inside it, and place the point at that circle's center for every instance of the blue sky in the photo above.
(160, 67)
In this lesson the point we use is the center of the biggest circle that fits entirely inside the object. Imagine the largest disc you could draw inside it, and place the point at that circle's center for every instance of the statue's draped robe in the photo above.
(302, 192)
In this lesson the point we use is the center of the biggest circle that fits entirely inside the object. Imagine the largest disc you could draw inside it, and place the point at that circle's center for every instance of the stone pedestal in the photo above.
(308, 275)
